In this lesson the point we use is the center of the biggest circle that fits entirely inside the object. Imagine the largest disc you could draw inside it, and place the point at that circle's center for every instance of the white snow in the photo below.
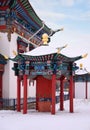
(43, 50)
(63, 120)
(81, 71)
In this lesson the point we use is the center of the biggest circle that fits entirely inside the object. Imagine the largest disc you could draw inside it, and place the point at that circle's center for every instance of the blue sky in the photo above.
(74, 16)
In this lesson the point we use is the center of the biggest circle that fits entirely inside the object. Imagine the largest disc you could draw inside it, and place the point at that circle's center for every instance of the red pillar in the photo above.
(25, 95)
(1, 85)
(61, 93)
(86, 91)
(53, 93)
(18, 94)
(37, 98)
(73, 89)
(71, 93)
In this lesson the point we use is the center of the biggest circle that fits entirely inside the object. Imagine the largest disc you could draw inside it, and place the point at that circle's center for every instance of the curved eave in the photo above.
(43, 58)
(33, 14)
(83, 75)
(27, 8)
(70, 59)
(50, 52)
(17, 58)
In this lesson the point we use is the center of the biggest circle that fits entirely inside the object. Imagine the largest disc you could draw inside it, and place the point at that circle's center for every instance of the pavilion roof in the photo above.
(82, 75)
(44, 53)
(81, 71)
(45, 56)
(48, 57)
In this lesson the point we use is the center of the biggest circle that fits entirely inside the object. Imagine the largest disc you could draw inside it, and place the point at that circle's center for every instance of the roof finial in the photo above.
(60, 48)
(85, 55)
(81, 66)
(14, 52)
(6, 57)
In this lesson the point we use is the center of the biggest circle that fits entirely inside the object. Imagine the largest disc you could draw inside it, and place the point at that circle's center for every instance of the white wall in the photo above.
(88, 95)
(9, 79)
(4, 49)
(80, 90)
(32, 89)
(13, 78)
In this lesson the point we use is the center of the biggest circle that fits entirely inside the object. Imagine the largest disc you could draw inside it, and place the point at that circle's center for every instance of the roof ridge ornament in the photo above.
(60, 48)
(6, 57)
(14, 53)
(85, 55)
(54, 31)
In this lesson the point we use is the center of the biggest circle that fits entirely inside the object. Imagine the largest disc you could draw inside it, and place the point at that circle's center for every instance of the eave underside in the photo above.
(24, 9)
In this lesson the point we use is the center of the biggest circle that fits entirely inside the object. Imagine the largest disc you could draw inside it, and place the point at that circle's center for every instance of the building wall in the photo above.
(80, 90)
(88, 90)
(9, 79)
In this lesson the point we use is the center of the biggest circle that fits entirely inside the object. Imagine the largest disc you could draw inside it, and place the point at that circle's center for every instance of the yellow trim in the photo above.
(6, 57)
(14, 53)
(85, 55)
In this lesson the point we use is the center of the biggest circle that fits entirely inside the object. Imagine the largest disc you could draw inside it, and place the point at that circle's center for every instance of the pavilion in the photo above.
(45, 67)
(83, 76)
(24, 29)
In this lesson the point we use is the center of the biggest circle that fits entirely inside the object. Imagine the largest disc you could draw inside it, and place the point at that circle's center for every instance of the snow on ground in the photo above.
(33, 120)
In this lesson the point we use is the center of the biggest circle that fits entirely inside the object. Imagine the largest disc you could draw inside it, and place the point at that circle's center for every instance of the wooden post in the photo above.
(18, 94)
(53, 93)
(61, 93)
(86, 91)
(71, 89)
(71, 93)
(37, 98)
(25, 95)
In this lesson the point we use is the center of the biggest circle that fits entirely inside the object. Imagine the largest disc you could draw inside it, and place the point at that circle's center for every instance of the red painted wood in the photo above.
(86, 91)
(2, 27)
(43, 90)
(53, 93)
(3, 7)
(43, 87)
(25, 95)
(18, 94)
(71, 93)
(0, 84)
(37, 98)
(61, 94)
(73, 89)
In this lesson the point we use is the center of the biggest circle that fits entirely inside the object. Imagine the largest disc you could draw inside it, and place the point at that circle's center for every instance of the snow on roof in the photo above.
(81, 71)
(43, 50)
